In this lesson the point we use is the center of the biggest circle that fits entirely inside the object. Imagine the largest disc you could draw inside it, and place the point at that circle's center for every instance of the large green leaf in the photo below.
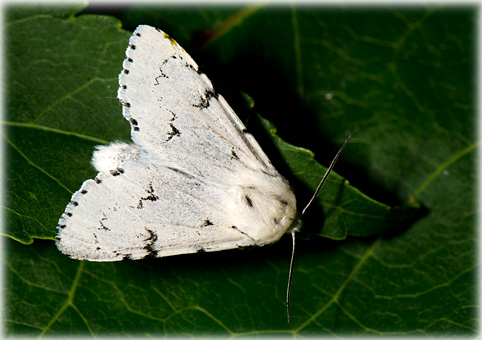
(400, 78)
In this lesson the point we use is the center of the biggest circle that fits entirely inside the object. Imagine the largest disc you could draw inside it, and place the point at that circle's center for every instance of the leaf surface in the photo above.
(399, 78)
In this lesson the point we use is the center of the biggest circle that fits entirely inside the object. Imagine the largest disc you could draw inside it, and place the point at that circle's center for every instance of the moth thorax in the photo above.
(263, 206)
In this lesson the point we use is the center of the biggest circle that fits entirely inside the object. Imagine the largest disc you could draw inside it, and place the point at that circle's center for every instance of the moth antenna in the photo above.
(290, 277)
(333, 162)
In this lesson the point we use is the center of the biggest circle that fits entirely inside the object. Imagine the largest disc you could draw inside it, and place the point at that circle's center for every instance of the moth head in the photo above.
(263, 206)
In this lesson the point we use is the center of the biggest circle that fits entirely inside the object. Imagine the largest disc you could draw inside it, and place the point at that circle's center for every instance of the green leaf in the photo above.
(399, 78)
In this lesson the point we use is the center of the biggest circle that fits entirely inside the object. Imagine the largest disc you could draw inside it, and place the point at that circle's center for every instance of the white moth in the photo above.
(194, 180)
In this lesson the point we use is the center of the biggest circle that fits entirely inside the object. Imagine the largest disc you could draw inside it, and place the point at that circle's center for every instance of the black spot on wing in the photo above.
(134, 124)
(103, 227)
(151, 197)
(210, 93)
(190, 66)
(234, 155)
(174, 132)
(173, 115)
(205, 99)
(204, 103)
(117, 172)
(207, 222)
(162, 75)
(151, 252)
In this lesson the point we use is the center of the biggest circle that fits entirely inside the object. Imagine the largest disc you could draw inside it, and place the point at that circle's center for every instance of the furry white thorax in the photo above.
(262, 205)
